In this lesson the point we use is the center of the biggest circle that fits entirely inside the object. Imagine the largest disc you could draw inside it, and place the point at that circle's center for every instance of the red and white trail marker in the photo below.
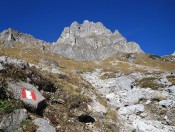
(28, 94)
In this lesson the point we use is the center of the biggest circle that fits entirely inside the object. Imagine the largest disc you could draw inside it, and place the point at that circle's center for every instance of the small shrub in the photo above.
(28, 126)
(13, 72)
(6, 106)
(3, 85)
(108, 75)
(130, 55)
(171, 79)
(149, 82)
(155, 57)
(76, 101)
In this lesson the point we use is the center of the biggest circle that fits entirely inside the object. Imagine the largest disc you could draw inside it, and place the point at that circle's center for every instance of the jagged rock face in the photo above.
(92, 41)
(10, 36)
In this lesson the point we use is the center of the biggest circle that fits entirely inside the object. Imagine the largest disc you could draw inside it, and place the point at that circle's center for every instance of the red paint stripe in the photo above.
(23, 93)
(33, 95)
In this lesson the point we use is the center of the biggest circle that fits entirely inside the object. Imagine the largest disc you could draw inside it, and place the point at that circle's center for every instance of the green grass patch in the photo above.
(7, 106)
(149, 82)
(171, 79)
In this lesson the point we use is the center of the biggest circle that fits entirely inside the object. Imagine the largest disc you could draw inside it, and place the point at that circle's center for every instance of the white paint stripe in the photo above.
(28, 94)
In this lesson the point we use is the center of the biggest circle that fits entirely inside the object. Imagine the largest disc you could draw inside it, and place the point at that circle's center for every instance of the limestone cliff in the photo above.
(91, 41)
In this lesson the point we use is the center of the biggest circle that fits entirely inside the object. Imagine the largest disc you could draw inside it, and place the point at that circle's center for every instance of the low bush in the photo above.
(155, 57)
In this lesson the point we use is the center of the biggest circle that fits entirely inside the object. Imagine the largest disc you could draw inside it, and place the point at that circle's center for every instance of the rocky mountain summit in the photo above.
(91, 41)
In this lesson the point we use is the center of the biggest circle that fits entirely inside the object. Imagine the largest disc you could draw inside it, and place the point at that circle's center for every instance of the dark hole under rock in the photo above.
(86, 119)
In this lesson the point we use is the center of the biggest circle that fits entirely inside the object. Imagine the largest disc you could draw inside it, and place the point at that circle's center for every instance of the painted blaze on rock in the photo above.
(28, 94)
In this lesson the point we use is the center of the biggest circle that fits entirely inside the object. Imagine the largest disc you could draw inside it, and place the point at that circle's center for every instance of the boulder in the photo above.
(43, 125)
(13, 120)
(98, 107)
(131, 109)
(28, 94)
(151, 126)
(19, 63)
(166, 103)
(1, 67)
(13, 61)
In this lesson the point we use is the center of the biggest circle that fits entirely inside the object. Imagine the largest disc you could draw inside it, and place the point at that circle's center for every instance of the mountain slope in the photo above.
(124, 92)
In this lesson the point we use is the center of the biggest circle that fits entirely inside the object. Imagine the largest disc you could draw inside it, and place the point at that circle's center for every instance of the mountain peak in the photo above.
(91, 41)
(87, 28)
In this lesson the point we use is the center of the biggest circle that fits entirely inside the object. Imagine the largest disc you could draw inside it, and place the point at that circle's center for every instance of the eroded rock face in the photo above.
(13, 120)
(92, 41)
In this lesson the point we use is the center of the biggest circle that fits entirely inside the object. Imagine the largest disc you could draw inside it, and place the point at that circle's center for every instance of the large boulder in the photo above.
(133, 109)
(43, 125)
(166, 103)
(28, 94)
(13, 120)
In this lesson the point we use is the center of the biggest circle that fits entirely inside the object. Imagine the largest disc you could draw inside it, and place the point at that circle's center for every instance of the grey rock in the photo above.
(13, 120)
(11, 37)
(1, 67)
(151, 126)
(173, 54)
(13, 61)
(166, 103)
(3, 59)
(133, 109)
(92, 41)
(33, 105)
(20, 63)
(43, 125)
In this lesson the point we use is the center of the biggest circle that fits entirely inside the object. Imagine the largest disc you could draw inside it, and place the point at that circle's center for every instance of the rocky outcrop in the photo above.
(139, 109)
(13, 120)
(43, 125)
(10, 37)
(92, 41)
(173, 54)
(8, 60)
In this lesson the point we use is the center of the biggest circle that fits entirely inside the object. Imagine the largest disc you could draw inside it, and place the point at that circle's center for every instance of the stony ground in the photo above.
(126, 92)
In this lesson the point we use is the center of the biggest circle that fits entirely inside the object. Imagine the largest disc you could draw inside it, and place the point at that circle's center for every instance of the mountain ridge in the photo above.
(88, 41)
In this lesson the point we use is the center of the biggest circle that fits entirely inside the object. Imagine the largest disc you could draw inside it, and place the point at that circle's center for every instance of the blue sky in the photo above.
(151, 23)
